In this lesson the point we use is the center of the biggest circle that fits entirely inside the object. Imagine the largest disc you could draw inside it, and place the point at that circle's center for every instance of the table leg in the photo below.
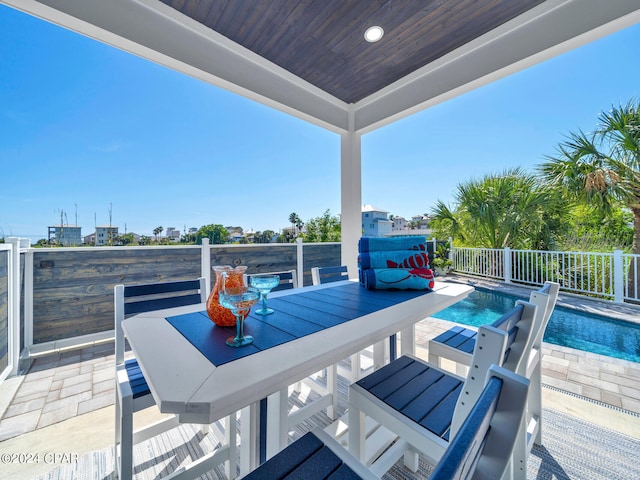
(408, 341)
(249, 438)
(380, 354)
(392, 347)
(277, 422)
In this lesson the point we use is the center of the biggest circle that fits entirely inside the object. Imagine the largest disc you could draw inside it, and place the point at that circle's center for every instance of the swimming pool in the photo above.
(567, 327)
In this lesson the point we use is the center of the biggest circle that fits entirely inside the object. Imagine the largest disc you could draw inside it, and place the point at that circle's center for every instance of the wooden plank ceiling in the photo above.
(322, 42)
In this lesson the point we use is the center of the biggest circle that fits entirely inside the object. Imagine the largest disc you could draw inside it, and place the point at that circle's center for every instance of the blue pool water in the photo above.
(567, 327)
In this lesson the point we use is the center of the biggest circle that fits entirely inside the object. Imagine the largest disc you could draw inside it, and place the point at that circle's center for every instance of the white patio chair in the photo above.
(482, 447)
(456, 344)
(132, 391)
(425, 405)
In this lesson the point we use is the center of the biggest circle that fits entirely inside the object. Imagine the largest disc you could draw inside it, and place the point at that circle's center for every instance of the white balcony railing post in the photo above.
(618, 277)
(507, 265)
(299, 262)
(13, 334)
(205, 262)
(28, 301)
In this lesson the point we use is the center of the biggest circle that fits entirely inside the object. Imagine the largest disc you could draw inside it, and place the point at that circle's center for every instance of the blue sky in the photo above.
(85, 128)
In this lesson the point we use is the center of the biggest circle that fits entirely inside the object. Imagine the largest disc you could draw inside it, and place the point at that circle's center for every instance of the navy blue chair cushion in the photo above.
(306, 459)
(138, 384)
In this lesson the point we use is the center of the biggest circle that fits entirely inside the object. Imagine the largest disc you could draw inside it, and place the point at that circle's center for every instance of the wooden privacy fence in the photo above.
(67, 296)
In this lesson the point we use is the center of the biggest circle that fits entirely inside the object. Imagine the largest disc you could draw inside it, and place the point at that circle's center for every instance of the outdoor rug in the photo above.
(572, 449)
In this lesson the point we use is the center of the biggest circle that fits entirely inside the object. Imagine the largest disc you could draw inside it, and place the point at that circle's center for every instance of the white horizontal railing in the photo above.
(610, 275)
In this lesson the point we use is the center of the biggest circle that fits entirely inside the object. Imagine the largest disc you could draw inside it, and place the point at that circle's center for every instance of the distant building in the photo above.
(136, 237)
(235, 236)
(399, 224)
(249, 235)
(105, 234)
(418, 225)
(420, 221)
(375, 222)
(63, 234)
(172, 234)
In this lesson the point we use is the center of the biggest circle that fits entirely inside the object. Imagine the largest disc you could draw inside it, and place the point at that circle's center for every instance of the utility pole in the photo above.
(110, 234)
(76, 205)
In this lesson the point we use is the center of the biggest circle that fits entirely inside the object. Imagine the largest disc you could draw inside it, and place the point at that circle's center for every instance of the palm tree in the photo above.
(157, 231)
(295, 221)
(497, 211)
(602, 168)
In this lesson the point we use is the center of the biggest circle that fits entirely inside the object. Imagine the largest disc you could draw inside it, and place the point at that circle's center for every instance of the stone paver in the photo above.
(13, 426)
(61, 386)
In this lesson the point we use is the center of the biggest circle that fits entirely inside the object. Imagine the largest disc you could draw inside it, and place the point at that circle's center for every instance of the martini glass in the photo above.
(239, 300)
(264, 284)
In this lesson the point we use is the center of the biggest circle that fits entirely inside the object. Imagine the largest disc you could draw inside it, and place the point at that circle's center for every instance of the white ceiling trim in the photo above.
(547, 30)
(152, 30)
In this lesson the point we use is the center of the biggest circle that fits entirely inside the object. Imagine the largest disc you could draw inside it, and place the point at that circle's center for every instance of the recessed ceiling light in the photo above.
(373, 34)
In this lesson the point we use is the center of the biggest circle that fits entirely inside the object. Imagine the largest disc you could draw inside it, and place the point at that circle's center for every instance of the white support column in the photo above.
(351, 196)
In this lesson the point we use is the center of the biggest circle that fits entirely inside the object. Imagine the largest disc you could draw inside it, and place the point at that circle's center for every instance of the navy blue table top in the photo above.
(295, 316)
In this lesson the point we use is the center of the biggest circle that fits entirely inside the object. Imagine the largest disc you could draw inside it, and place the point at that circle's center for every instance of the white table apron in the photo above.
(184, 382)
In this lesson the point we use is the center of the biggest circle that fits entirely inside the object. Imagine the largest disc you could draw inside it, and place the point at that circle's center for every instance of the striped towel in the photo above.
(394, 259)
(400, 278)
(374, 244)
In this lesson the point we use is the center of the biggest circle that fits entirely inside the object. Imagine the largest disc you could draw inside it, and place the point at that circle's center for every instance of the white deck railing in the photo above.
(615, 276)
(10, 305)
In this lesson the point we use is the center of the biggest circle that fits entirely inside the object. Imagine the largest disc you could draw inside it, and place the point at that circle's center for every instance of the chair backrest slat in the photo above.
(161, 303)
(507, 321)
(321, 275)
(160, 288)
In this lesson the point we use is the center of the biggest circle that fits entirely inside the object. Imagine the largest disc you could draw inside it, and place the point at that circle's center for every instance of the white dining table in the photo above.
(185, 382)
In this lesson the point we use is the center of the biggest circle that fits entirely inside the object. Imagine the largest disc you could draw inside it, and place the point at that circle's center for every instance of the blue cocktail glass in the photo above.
(239, 300)
(264, 284)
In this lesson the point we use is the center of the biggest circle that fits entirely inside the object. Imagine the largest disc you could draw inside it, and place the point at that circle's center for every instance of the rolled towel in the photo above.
(400, 278)
(374, 244)
(394, 259)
